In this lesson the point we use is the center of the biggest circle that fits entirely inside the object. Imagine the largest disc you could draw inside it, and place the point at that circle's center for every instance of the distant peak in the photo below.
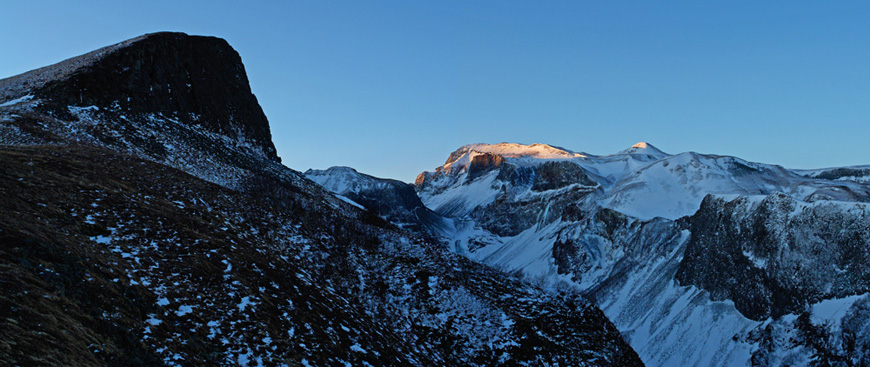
(341, 169)
(331, 171)
(645, 148)
(641, 145)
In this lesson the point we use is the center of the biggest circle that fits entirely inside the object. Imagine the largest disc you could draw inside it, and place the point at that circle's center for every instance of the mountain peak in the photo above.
(198, 80)
(644, 148)
(641, 145)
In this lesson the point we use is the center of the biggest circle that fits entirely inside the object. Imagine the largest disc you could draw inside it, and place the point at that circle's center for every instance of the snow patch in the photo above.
(351, 202)
(16, 101)
(357, 348)
(184, 310)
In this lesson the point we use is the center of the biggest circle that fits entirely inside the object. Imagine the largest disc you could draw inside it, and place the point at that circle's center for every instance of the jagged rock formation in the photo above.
(163, 231)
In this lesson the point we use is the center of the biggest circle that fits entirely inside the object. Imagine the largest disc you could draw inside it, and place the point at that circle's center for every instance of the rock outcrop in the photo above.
(772, 256)
(197, 80)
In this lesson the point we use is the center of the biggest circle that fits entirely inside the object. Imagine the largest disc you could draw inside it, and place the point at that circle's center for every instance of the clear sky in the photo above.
(391, 88)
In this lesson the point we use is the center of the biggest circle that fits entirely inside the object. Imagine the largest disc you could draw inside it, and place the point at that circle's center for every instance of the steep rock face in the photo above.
(509, 216)
(556, 175)
(772, 256)
(483, 163)
(167, 97)
(197, 80)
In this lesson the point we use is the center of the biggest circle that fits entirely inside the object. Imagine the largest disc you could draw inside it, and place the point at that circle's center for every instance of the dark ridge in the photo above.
(199, 80)
(837, 173)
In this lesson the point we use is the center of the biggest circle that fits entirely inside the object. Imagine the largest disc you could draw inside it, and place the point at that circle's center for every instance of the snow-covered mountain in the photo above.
(393, 200)
(699, 259)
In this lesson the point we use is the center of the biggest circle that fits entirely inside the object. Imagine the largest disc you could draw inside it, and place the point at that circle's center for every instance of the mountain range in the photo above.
(699, 259)
(147, 220)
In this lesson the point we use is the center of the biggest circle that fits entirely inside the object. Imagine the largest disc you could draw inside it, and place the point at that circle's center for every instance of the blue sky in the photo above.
(391, 88)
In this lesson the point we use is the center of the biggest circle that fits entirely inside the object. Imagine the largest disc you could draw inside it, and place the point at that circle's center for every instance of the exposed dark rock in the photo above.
(573, 212)
(773, 257)
(837, 173)
(611, 220)
(198, 80)
(506, 217)
(422, 179)
(558, 174)
(483, 163)
(568, 257)
(517, 176)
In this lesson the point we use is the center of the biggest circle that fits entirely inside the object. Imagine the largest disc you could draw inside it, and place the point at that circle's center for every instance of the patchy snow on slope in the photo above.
(245, 303)
(184, 310)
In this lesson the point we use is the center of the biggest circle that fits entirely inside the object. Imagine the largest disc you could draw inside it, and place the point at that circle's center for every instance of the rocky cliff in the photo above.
(200, 81)
(772, 255)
